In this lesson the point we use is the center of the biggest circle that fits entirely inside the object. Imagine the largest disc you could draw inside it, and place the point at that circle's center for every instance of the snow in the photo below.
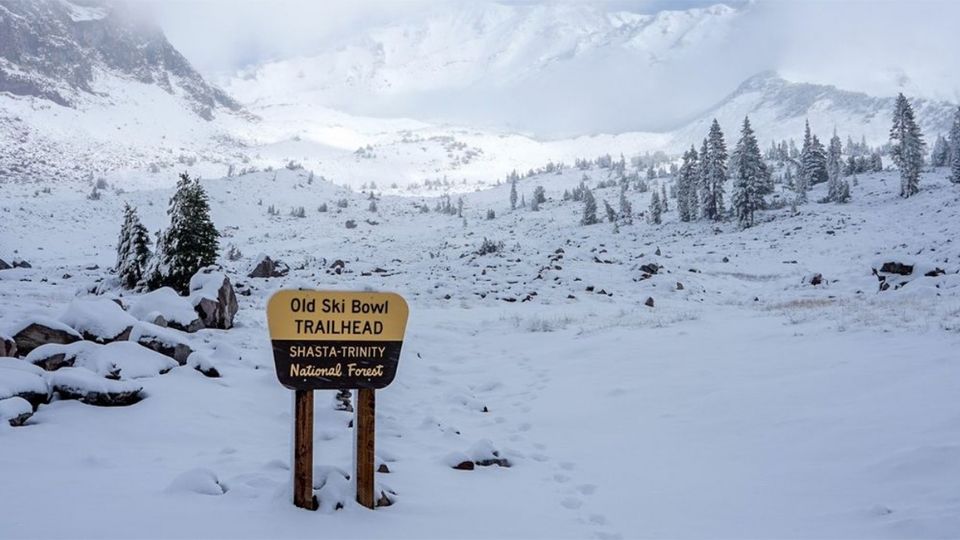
(13, 408)
(15, 380)
(22, 324)
(200, 480)
(206, 285)
(100, 317)
(126, 358)
(82, 381)
(164, 302)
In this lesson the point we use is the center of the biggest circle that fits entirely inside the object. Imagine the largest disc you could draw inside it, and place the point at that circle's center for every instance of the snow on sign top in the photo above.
(325, 340)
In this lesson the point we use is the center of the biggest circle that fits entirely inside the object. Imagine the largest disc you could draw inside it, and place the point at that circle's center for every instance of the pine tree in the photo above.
(663, 197)
(656, 207)
(189, 243)
(513, 193)
(940, 155)
(703, 183)
(133, 249)
(589, 208)
(687, 180)
(611, 213)
(907, 146)
(955, 148)
(626, 209)
(749, 175)
(715, 167)
(834, 168)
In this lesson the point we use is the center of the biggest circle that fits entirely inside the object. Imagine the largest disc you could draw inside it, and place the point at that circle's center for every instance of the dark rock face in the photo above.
(8, 347)
(37, 334)
(216, 311)
(4, 265)
(649, 301)
(52, 49)
(896, 268)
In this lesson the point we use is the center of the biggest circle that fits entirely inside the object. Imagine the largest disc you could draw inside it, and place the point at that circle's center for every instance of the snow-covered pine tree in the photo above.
(663, 197)
(656, 207)
(687, 181)
(940, 155)
(133, 249)
(190, 242)
(716, 173)
(626, 209)
(513, 193)
(834, 168)
(611, 213)
(589, 208)
(955, 148)
(703, 183)
(906, 147)
(749, 175)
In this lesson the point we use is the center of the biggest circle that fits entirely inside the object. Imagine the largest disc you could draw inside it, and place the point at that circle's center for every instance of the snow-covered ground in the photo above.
(748, 403)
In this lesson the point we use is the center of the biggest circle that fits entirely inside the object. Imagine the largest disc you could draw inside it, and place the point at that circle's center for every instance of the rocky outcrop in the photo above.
(265, 267)
(213, 297)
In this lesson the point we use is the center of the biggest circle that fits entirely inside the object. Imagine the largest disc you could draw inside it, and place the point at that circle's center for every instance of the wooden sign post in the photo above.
(333, 340)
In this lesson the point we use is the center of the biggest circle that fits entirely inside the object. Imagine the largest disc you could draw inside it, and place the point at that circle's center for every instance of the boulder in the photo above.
(88, 387)
(21, 379)
(37, 331)
(265, 267)
(213, 298)
(649, 301)
(894, 274)
(813, 279)
(53, 356)
(164, 307)
(98, 319)
(4, 265)
(203, 364)
(650, 268)
(161, 340)
(483, 454)
(15, 410)
(20, 263)
(8, 347)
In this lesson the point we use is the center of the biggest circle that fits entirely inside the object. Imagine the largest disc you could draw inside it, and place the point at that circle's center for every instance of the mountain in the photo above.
(515, 66)
(64, 51)
(779, 108)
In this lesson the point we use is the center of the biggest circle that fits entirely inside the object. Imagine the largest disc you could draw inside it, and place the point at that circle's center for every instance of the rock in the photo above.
(679, 286)
(4, 265)
(39, 331)
(53, 356)
(464, 466)
(896, 274)
(265, 267)
(15, 410)
(383, 469)
(164, 307)
(343, 398)
(88, 387)
(896, 268)
(203, 364)
(19, 378)
(163, 341)
(650, 268)
(213, 298)
(8, 347)
(387, 498)
(935, 272)
(19, 263)
(813, 279)
(99, 319)
(726, 259)
(648, 302)
(483, 454)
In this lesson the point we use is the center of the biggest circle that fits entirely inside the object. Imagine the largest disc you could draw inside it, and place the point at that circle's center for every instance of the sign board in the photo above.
(330, 340)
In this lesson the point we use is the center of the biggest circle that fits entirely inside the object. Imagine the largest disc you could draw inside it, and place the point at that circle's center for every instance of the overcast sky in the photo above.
(879, 47)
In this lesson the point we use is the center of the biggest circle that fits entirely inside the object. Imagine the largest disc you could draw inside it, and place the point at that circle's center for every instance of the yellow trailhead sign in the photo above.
(336, 339)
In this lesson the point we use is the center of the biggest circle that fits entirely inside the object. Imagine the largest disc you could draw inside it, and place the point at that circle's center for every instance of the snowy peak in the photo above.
(778, 109)
(63, 50)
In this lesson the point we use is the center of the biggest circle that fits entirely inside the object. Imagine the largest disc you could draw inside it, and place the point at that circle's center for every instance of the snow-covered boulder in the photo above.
(213, 298)
(8, 347)
(33, 332)
(162, 340)
(15, 410)
(203, 364)
(200, 480)
(165, 304)
(19, 378)
(4, 265)
(85, 354)
(895, 272)
(20, 263)
(88, 387)
(484, 454)
(265, 267)
(98, 319)
(134, 360)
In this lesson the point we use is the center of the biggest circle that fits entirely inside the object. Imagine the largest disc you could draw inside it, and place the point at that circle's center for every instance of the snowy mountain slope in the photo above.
(62, 50)
(778, 109)
(747, 403)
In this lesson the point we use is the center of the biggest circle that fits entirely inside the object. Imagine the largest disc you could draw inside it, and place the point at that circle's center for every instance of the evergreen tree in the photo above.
(703, 183)
(834, 168)
(906, 147)
(133, 249)
(955, 148)
(687, 181)
(656, 207)
(663, 197)
(189, 243)
(940, 155)
(749, 175)
(715, 166)
(589, 208)
(513, 193)
(626, 209)
(611, 213)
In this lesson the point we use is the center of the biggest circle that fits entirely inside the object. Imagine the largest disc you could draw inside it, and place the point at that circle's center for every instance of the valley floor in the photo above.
(746, 404)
